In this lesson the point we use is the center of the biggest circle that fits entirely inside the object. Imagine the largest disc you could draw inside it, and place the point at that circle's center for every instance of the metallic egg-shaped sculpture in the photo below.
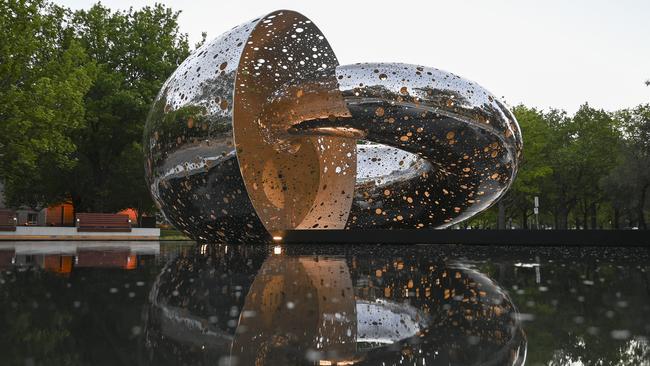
(260, 130)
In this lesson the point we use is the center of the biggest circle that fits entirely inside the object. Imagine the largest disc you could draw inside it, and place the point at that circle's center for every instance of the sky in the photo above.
(543, 54)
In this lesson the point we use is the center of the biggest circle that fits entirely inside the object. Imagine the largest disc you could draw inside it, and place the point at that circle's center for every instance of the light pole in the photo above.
(536, 211)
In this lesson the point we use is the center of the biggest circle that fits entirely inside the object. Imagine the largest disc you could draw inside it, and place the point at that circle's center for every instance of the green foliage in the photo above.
(44, 75)
(594, 136)
(589, 169)
(627, 185)
(535, 164)
(78, 90)
(135, 52)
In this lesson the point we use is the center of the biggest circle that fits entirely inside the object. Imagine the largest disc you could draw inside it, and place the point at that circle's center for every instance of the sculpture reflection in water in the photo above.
(239, 306)
(261, 130)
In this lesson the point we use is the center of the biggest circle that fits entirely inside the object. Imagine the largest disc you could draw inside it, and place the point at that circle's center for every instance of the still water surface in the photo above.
(136, 303)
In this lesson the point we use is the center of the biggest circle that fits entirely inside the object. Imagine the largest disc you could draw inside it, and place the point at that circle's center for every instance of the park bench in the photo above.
(7, 220)
(103, 222)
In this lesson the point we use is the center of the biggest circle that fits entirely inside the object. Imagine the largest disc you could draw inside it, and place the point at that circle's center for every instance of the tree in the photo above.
(594, 143)
(564, 162)
(76, 89)
(535, 162)
(544, 136)
(44, 74)
(135, 52)
(629, 182)
(557, 190)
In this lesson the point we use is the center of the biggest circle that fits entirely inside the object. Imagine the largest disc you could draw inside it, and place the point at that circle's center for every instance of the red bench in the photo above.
(103, 222)
(7, 220)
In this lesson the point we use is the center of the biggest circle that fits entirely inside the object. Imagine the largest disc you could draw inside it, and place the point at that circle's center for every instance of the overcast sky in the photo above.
(541, 53)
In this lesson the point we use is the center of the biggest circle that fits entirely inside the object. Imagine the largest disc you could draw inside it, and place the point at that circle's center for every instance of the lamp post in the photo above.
(536, 212)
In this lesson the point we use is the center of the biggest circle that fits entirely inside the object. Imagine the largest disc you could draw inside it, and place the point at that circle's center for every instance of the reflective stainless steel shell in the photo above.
(260, 130)
(192, 167)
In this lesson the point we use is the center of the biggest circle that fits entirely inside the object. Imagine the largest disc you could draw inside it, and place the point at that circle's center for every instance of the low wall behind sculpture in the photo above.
(70, 233)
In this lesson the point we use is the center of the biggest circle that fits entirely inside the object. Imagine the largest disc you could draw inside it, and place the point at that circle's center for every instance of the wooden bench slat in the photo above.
(7, 220)
(88, 222)
(104, 229)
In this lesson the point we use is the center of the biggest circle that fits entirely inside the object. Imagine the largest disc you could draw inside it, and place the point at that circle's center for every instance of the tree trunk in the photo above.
(76, 206)
(594, 214)
(501, 216)
(138, 212)
(564, 218)
(74, 216)
(641, 207)
(524, 219)
(617, 218)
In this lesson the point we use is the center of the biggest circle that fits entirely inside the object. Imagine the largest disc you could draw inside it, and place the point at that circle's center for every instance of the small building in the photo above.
(24, 215)
(61, 214)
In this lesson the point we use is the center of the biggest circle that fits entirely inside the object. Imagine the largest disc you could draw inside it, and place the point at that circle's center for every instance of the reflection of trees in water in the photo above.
(205, 116)
(50, 319)
(588, 305)
(28, 333)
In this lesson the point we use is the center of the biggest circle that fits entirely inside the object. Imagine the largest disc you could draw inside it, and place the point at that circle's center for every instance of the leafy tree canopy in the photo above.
(76, 89)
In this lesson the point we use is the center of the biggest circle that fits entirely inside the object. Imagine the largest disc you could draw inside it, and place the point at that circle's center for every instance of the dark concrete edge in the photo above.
(609, 238)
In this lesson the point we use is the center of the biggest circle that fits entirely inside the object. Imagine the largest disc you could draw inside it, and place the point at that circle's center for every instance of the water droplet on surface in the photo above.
(620, 334)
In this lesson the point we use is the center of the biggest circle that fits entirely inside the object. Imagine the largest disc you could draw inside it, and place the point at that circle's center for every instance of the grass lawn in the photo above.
(172, 234)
